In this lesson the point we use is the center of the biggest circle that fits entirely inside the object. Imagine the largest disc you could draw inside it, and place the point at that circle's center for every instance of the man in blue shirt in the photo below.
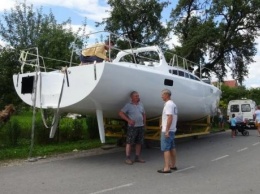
(133, 113)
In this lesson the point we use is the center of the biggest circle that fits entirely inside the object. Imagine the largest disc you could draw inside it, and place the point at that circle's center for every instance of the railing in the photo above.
(183, 63)
(85, 40)
(30, 57)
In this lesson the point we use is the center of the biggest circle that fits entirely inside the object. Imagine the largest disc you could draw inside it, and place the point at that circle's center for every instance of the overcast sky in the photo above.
(95, 10)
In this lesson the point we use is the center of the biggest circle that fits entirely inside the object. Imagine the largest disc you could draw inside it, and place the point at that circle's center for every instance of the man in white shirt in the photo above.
(169, 121)
(257, 119)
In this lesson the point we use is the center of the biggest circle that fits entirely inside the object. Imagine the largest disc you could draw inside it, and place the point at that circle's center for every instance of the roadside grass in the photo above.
(73, 135)
(15, 137)
(22, 152)
(215, 128)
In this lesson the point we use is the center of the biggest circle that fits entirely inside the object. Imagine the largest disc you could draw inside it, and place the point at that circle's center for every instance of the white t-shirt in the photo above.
(169, 109)
(257, 115)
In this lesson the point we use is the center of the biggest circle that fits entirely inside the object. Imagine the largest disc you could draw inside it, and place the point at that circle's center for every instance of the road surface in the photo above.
(212, 164)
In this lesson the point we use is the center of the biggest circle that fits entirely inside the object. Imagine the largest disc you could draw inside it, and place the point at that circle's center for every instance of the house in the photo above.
(229, 83)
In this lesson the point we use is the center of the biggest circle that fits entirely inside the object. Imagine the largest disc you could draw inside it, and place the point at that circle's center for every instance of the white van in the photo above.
(243, 109)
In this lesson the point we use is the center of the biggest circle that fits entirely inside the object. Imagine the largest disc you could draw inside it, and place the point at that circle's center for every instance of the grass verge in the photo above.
(22, 152)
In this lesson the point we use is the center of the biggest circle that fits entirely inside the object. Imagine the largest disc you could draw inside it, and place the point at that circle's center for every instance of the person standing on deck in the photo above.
(96, 53)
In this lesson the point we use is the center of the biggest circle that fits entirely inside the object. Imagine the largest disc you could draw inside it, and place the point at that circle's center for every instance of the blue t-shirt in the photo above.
(135, 113)
(233, 122)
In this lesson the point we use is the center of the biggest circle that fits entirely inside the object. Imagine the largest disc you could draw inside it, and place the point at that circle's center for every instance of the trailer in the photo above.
(117, 128)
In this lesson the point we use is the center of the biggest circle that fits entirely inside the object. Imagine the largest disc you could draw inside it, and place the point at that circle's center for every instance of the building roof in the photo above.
(229, 83)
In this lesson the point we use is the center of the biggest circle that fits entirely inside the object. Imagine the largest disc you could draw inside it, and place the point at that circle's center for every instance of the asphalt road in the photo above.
(213, 164)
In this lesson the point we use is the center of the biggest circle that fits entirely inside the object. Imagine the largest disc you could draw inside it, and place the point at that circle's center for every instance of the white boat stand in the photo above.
(101, 125)
(55, 123)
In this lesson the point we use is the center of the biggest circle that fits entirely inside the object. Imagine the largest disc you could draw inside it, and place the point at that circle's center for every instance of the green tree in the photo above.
(138, 20)
(254, 94)
(23, 28)
(218, 34)
(229, 93)
(240, 92)
(8, 65)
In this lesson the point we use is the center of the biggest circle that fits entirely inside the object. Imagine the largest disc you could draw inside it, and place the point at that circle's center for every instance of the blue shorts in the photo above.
(233, 128)
(90, 59)
(167, 144)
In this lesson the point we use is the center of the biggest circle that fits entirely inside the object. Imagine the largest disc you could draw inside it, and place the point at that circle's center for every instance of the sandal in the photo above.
(128, 161)
(164, 171)
(139, 160)
(174, 168)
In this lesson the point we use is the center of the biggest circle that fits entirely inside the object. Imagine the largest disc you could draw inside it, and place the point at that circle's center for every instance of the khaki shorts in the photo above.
(257, 123)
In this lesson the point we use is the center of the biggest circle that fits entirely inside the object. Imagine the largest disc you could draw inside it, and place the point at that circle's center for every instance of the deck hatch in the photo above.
(27, 85)
(168, 82)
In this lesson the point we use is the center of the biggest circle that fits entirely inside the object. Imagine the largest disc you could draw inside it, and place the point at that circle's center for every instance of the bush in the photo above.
(41, 132)
(79, 127)
(18, 130)
(3, 135)
(92, 127)
(10, 133)
(71, 130)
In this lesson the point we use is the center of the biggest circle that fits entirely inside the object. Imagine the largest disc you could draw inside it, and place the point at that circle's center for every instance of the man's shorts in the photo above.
(135, 135)
(257, 123)
(233, 128)
(221, 120)
(90, 59)
(167, 143)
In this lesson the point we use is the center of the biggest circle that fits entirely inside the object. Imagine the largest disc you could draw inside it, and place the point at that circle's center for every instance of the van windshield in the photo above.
(245, 108)
(234, 108)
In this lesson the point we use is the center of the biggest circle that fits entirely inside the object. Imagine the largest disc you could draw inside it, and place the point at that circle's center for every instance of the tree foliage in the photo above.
(8, 64)
(240, 92)
(138, 20)
(218, 34)
(24, 27)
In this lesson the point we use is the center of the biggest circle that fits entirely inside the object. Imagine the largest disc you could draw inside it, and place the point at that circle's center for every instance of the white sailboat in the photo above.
(103, 88)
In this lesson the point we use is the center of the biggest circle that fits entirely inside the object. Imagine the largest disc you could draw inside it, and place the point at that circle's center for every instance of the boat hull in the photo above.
(106, 87)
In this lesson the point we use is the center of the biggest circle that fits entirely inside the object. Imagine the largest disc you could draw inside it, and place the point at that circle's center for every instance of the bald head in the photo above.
(166, 95)
(166, 91)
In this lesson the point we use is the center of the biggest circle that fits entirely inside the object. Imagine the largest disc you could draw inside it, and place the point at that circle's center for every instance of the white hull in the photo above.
(104, 88)
(111, 89)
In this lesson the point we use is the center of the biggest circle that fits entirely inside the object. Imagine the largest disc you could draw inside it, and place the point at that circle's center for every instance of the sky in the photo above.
(95, 10)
